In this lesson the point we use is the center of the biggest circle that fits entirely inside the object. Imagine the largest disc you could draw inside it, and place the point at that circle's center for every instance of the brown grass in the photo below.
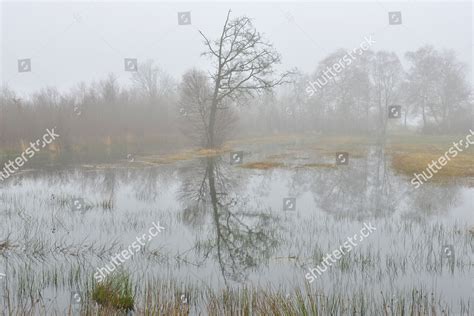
(5, 245)
(318, 165)
(211, 152)
(262, 165)
(184, 155)
(409, 163)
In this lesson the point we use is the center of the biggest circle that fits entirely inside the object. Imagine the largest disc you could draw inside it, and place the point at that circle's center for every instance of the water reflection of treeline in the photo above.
(241, 231)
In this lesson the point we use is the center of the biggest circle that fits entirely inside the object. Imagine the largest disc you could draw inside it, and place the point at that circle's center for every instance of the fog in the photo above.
(236, 158)
(70, 42)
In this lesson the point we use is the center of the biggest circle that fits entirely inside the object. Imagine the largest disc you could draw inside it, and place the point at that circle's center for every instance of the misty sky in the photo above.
(73, 42)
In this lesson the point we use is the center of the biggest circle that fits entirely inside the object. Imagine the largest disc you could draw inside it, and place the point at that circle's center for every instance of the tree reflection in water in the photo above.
(241, 237)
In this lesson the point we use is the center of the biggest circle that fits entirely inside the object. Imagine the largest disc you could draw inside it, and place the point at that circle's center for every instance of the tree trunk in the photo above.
(212, 124)
(423, 113)
(405, 120)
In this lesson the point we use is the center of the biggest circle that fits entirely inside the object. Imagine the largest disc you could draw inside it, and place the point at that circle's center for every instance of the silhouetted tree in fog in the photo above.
(386, 75)
(195, 99)
(438, 87)
(243, 64)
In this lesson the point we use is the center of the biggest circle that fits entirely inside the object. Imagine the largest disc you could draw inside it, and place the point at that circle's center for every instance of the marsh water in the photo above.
(226, 226)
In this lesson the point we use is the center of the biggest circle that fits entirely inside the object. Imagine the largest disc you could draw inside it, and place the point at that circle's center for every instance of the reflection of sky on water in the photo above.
(234, 231)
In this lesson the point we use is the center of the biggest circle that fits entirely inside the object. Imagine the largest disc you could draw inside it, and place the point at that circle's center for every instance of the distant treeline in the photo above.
(433, 91)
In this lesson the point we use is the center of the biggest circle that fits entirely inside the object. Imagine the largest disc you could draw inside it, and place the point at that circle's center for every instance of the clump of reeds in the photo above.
(115, 292)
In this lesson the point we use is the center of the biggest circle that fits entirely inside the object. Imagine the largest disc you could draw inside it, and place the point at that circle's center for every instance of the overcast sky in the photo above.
(70, 42)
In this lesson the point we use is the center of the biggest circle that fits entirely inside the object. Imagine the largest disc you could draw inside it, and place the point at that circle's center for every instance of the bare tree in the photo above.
(438, 85)
(386, 77)
(151, 81)
(243, 63)
(194, 101)
(422, 78)
(195, 95)
(453, 88)
(109, 88)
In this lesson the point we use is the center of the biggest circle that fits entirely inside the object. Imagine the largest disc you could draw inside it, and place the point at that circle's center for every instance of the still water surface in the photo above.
(226, 226)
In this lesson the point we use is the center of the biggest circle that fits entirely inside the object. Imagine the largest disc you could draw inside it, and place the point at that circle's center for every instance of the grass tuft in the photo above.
(115, 292)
